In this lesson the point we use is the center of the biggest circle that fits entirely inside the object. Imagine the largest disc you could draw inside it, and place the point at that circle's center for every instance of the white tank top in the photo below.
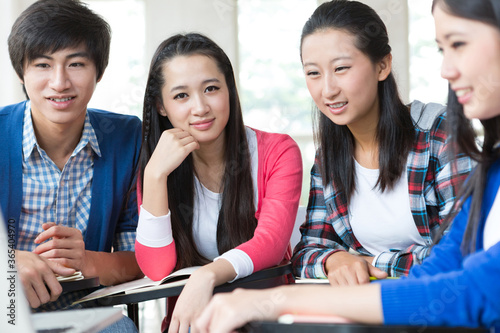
(207, 206)
(382, 221)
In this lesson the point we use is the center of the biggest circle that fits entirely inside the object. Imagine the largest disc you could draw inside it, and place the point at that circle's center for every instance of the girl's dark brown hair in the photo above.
(48, 26)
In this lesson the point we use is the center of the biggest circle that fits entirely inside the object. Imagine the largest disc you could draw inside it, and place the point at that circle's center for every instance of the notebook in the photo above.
(16, 316)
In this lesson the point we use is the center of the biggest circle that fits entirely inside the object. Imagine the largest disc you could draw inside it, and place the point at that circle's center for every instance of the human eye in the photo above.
(452, 46)
(457, 44)
(77, 64)
(211, 88)
(341, 68)
(180, 96)
(312, 73)
(40, 64)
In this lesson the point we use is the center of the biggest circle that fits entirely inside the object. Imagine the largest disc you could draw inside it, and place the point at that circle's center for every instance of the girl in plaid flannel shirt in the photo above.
(382, 181)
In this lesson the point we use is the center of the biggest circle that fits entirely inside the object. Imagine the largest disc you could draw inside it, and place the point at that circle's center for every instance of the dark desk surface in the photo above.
(267, 278)
(275, 327)
(86, 283)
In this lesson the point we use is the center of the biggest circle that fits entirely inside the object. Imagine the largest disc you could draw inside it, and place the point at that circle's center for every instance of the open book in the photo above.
(177, 278)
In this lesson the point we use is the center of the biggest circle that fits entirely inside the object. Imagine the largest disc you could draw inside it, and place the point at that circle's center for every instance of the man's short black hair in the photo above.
(48, 26)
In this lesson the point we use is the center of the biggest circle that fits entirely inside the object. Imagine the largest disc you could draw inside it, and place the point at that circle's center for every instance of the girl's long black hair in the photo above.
(237, 220)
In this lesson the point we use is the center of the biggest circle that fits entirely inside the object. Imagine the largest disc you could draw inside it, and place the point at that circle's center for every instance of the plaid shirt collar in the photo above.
(29, 138)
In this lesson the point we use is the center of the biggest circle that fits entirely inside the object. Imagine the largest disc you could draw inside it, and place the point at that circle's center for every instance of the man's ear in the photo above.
(385, 67)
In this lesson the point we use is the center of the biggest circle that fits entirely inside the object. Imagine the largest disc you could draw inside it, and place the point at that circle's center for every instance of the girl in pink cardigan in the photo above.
(212, 192)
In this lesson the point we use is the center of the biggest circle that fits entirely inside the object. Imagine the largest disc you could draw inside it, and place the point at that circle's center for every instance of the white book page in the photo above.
(137, 284)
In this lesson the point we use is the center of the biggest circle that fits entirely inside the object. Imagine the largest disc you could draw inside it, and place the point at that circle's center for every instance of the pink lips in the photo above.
(465, 98)
(203, 125)
(337, 110)
(60, 104)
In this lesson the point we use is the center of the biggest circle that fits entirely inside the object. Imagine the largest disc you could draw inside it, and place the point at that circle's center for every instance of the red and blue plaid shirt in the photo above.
(432, 185)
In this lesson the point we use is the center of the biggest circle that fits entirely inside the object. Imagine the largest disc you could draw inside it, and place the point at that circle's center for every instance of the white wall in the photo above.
(10, 87)
(215, 18)
(394, 13)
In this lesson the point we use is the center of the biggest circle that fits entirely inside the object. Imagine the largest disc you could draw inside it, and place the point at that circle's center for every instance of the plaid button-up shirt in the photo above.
(432, 185)
(53, 195)
(60, 196)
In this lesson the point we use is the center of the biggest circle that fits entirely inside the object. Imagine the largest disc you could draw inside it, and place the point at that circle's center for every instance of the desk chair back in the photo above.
(299, 220)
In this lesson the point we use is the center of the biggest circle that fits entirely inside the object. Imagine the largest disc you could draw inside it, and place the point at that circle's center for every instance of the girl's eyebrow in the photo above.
(204, 82)
(332, 61)
(212, 80)
(451, 34)
(178, 88)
